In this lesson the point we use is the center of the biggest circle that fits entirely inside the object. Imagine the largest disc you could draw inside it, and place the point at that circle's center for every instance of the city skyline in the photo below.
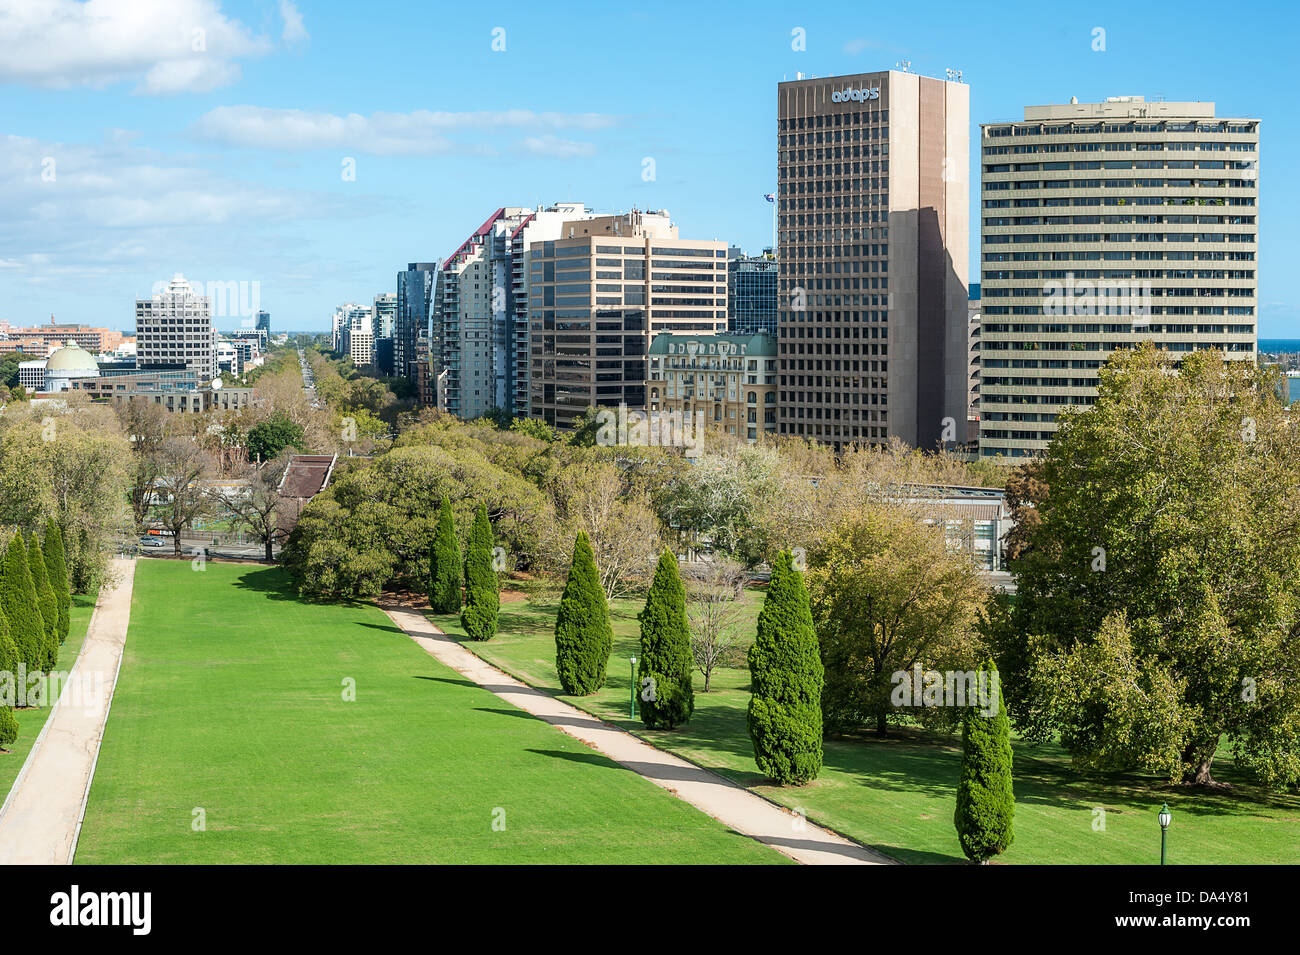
(138, 159)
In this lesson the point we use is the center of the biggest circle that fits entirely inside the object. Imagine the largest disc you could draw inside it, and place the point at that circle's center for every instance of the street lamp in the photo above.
(632, 684)
(1165, 817)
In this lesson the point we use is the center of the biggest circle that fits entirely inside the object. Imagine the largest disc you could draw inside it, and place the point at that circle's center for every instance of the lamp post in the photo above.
(632, 684)
(1165, 817)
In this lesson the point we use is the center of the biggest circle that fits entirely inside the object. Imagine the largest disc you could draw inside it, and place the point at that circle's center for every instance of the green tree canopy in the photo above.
(1158, 601)
(445, 566)
(482, 593)
(268, 438)
(19, 604)
(665, 665)
(56, 569)
(583, 636)
(986, 803)
(46, 600)
(785, 709)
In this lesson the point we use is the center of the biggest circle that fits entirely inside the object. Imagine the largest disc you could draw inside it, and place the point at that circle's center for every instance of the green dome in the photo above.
(71, 361)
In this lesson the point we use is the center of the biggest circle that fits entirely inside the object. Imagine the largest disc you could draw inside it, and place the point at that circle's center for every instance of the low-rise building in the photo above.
(729, 379)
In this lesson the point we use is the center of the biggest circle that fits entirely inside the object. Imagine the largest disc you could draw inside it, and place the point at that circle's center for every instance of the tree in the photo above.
(1158, 592)
(785, 708)
(257, 504)
(590, 496)
(19, 604)
(482, 596)
(444, 579)
(47, 601)
(56, 569)
(887, 595)
(714, 611)
(986, 803)
(583, 636)
(182, 466)
(9, 658)
(267, 439)
(145, 425)
(665, 665)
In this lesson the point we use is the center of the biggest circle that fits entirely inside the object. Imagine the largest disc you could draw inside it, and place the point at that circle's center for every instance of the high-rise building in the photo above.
(385, 310)
(411, 343)
(354, 333)
(174, 329)
(264, 325)
(1106, 224)
(873, 224)
(599, 294)
(751, 293)
(480, 315)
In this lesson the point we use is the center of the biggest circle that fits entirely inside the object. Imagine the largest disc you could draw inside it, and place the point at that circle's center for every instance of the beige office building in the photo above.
(1105, 224)
(873, 231)
(600, 294)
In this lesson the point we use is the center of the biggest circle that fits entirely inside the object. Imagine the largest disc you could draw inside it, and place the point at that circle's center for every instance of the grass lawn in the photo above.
(897, 795)
(32, 719)
(230, 701)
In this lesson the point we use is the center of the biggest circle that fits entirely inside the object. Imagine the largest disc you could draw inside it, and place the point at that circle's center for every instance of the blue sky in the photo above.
(139, 138)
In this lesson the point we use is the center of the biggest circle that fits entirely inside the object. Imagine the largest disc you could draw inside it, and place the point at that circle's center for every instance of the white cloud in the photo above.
(422, 132)
(167, 46)
(555, 147)
(294, 31)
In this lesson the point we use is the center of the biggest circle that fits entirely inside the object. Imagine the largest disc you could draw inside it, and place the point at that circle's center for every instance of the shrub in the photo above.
(668, 699)
(583, 636)
(444, 582)
(986, 803)
(785, 711)
(482, 596)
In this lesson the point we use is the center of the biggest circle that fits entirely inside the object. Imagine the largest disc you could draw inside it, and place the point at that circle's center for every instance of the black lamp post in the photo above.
(1165, 817)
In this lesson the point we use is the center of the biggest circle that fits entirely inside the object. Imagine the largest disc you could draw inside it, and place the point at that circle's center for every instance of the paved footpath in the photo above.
(730, 804)
(41, 820)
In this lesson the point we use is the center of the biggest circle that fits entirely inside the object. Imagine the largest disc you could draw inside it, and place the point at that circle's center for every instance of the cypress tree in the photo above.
(8, 662)
(8, 726)
(668, 698)
(444, 582)
(46, 600)
(482, 597)
(785, 668)
(583, 635)
(986, 803)
(18, 601)
(56, 567)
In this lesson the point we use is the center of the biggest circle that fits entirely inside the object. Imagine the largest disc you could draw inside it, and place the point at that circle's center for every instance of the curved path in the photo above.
(730, 804)
(41, 819)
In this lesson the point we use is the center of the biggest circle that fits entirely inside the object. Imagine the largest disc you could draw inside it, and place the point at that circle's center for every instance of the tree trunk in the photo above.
(176, 542)
(1198, 757)
(882, 726)
(269, 556)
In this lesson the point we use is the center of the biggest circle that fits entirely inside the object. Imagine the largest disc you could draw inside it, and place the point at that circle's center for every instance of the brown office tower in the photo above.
(873, 230)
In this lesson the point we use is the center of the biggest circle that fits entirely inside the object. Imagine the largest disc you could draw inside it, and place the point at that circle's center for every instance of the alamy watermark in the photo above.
(1127, 298)
(959, 688)
(657, 429)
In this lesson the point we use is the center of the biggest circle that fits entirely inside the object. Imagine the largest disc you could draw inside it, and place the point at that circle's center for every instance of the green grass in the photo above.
(230, 701)
(897, 795)
(32, 719)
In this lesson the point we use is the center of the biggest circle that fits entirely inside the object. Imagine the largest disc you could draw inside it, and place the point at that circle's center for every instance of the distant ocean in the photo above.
(1275, 345)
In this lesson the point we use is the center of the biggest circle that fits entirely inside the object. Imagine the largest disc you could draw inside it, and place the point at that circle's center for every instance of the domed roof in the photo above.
(71, 361)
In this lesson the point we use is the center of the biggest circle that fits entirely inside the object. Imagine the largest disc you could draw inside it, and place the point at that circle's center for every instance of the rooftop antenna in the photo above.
(904, 65)
(954, 76)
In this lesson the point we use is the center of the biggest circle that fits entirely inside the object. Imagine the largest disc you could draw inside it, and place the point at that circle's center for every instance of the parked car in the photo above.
(152, 542)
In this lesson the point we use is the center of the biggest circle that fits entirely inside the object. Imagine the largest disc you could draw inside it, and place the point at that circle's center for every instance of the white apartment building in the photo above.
(1106, 224)
(480, 311)
(174, 329)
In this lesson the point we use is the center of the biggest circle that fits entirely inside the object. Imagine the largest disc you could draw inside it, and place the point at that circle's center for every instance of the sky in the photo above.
(308, 150)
